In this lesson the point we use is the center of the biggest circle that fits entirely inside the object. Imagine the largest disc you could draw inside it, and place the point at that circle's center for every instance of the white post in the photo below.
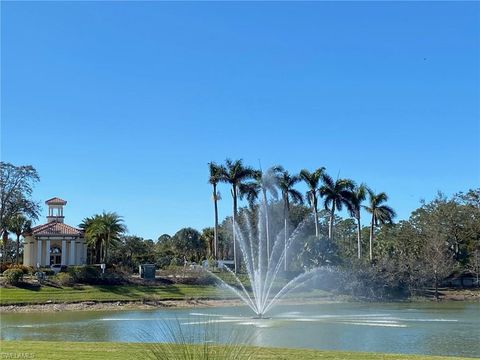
(39, 252)
(71, 260)
(64, 252)
(47, 253)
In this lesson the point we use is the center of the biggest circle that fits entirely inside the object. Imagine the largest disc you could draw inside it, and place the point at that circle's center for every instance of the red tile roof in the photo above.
(56, 228)
(55, 201)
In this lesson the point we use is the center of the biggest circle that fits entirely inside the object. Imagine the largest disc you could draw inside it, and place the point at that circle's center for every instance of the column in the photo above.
(39, 252)
(64, 252)
(47, 253)
(71, 260)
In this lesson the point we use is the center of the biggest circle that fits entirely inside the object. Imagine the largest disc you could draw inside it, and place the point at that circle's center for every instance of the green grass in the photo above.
(104, 351)
(105, 293)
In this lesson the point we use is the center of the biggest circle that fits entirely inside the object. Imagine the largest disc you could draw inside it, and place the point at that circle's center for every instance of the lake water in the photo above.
(451, 328)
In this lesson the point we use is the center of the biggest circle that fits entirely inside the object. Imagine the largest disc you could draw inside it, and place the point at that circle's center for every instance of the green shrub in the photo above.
(63, 279)
(13, 276)
(48, 272)
(85, 274)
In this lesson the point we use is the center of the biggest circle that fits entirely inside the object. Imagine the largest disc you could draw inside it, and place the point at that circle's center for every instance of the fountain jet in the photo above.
(263, 265)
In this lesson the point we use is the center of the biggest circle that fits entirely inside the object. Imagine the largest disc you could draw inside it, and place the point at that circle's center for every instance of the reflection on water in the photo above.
(442, 329)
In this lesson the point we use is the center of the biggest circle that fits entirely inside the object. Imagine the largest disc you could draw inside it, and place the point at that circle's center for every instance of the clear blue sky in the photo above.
(120, 105)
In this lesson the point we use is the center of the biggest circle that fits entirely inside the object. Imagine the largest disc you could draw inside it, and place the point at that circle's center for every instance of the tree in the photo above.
(132, 251)
(357, 197)
(312, 180)
(437, 258)
(336, 194)
(208, 237)
(94, 242)
(163, 238)
(235, 173)
(103, 231)
(286, 183)
(19, 225)
(381, 214)
(318, 252)
(187, 242)
(216, 172)
(16, 187)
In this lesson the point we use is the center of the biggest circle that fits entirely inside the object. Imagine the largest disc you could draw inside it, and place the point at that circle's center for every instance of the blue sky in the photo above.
(120, 106)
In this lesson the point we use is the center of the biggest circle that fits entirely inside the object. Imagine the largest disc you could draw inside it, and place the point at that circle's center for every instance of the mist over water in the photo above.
(264, 251)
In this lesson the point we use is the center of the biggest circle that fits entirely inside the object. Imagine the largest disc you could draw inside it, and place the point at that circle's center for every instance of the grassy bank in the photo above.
(106, 293)
(112, 293)
(105, 351)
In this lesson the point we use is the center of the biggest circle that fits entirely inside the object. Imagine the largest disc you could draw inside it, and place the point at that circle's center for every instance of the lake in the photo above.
(449, 328)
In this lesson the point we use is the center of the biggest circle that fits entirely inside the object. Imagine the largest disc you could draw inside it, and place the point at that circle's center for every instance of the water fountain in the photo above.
(263, 264)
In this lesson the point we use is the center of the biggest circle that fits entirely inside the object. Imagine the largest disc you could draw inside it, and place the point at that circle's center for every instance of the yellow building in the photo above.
(55, 243)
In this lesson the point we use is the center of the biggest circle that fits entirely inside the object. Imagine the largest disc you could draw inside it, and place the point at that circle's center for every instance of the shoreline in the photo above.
(146, 305)
(204, 303)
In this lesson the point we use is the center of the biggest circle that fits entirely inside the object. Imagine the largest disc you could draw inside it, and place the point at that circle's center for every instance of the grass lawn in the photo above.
(106, 293)
(103, 293)
(105, 351)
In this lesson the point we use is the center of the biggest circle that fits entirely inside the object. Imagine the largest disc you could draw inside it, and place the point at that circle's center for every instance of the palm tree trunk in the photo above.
(330, 225)
(372, 229)
(100, 252)
(215, 228)
(235, 260)
(285, 219)
(267, 223)
(18, 249)
(359, 238)
(315, 213)
(107, 244)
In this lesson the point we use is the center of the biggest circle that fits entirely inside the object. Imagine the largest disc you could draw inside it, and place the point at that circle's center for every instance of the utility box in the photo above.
(147, 271)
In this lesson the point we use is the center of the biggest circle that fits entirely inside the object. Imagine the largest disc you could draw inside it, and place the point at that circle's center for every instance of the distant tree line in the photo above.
(440, 239)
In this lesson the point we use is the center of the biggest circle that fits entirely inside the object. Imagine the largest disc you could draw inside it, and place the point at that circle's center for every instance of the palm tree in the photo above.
(381, 214)
(235, 174)
(18, 225)
(336, 194)
(94, 241)
(113, 227)
(103, 231)
(286, 182)
(312, 180)
(358, 195)
(214, 179)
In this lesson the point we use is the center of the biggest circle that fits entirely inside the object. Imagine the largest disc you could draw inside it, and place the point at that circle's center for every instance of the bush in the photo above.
(85, 274)
(13, 276)
(48, 272)
(26, 269)
(63, 279)
(5, 266)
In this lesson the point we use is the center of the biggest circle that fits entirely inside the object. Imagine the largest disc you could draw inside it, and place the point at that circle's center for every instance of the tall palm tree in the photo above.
(358, 196)
(286, 183)
(381, 214)
(215, 176)
(336, 194)
(18, 225)
(103, 231)
(312, 180)
(235, 174)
